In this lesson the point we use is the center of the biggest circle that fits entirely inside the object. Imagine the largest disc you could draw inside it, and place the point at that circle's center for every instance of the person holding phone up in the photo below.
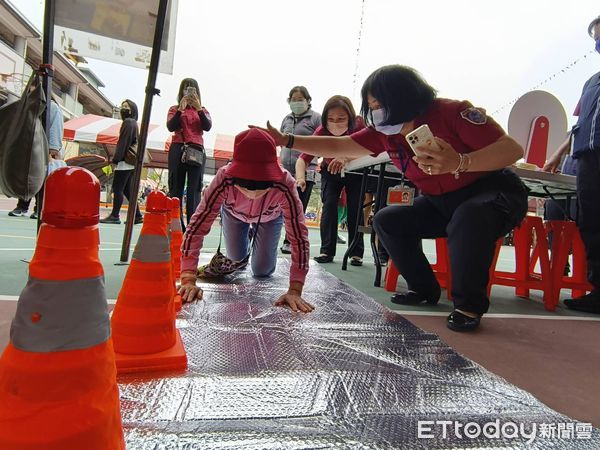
(187, 121)
(468, 194)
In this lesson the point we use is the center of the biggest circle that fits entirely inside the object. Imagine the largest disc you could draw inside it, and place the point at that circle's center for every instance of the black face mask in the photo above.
(125, 113)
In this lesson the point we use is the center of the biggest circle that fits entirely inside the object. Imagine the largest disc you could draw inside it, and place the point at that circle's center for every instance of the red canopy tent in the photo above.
(105, 131)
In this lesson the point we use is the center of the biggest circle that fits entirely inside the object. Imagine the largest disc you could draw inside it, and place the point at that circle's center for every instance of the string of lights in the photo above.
(547, 80)
(360, 30)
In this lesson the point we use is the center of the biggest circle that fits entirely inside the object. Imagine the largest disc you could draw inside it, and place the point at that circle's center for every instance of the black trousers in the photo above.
(122, 187)
(178, 172)
(472, 218)
(588, 212)
(331, 187)
(304, 198)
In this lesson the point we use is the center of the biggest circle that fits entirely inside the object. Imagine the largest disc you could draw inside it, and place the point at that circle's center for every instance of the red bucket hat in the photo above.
(255, 157)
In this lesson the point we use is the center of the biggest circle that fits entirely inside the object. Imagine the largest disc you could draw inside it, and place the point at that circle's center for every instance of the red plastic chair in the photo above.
(527, 251)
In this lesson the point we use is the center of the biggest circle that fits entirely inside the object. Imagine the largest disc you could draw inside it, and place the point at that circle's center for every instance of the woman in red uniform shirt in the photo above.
(468, 196)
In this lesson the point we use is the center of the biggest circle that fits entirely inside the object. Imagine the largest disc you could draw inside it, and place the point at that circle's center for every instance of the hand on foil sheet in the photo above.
(295, 302)
(188, 289)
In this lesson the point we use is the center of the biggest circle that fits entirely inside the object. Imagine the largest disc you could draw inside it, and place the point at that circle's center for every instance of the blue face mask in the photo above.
(598, 45)
(378, 117)
(299, 107)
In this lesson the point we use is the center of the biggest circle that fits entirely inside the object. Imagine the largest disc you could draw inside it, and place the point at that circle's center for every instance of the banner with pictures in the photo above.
(119, 31)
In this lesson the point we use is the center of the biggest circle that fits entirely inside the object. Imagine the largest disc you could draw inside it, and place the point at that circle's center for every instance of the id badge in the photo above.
(401, 195)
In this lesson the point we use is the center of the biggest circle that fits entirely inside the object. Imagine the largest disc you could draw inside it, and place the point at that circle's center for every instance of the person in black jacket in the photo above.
(128, 136)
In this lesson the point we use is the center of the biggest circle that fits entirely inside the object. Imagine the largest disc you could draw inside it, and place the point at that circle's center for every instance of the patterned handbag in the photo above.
(193, 155)
(220, 264)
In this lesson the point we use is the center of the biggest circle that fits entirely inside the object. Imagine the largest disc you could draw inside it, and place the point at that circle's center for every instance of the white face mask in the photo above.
(378, 116)
(299, 107)
(337, 129)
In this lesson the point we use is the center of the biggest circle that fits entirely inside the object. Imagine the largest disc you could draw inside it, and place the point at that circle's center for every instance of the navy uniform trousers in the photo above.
(472, 218)
(588, 211)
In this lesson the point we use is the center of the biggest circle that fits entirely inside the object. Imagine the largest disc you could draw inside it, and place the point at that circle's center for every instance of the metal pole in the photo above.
(47, 53)
(141, 148)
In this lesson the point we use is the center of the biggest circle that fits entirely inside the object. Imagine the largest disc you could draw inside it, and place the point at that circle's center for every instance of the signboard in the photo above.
(119, 31)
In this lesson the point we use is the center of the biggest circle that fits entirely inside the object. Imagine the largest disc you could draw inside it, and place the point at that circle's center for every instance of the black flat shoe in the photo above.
(323, 259)
(356, 261)
(111, 219)
(457, 321)
(587, 303)
(412, 298)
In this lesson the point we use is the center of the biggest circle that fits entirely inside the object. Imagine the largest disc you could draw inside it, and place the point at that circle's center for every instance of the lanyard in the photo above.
(404, 161)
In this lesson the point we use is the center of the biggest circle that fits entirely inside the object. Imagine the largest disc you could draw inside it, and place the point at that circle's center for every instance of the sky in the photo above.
(247, 55)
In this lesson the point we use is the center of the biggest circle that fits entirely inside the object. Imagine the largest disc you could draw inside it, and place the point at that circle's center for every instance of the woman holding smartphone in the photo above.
(469, 195)
(187, 120)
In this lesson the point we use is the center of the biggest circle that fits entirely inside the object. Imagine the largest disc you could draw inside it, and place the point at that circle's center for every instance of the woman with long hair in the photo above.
(188, 120)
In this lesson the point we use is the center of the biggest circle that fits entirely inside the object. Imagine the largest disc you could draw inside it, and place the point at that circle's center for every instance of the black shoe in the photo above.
(356, 261)
(457, 321)
(340, 239)
(137, 220)
(33, 215)
(323, 259)
(587, 303)
(111, 219)
(412, 298)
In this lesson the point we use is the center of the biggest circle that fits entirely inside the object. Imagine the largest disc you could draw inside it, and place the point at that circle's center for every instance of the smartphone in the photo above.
(421, 137)
(189, 91)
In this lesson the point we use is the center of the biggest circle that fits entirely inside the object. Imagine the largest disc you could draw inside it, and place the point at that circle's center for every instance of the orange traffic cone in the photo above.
(58, 387)
(176, 239)
(143, 321)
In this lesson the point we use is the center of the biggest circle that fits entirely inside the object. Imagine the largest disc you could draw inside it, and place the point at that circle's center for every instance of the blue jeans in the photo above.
(237, 237)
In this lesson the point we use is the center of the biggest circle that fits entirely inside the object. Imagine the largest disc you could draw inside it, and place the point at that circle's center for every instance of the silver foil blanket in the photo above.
(350, 375)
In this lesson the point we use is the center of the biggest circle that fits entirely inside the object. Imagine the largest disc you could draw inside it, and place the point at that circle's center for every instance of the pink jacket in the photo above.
(283, 197)
(188, 126)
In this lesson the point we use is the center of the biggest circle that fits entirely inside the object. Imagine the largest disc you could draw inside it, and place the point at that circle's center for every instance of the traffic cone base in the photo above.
(59, 400)
(58, 383)
(173, 358)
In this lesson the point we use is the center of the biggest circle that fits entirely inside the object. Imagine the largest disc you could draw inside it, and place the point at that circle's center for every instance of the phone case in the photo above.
(421, 137)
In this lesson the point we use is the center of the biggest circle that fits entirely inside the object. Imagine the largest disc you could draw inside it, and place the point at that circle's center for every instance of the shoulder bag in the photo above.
(193, 155)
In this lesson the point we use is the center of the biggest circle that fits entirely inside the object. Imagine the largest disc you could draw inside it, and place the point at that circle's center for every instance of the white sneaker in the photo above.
(286, 249)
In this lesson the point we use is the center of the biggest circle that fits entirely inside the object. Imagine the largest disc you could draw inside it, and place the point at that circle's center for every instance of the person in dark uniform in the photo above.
(586, 151)
(562, 209)
(467, 193)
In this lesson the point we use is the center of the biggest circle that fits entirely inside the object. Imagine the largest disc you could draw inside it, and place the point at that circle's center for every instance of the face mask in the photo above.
(598, 45)
(299, 107)
(337, 129)
(378, 117)
(125, 113)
